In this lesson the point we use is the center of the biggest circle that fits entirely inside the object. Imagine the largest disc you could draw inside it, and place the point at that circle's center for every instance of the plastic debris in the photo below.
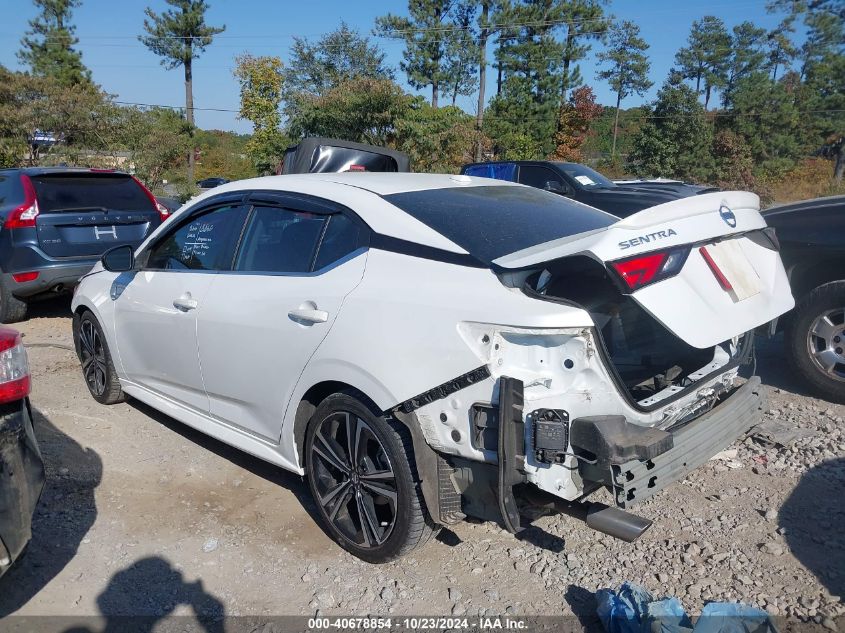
(632, 609)
(779, 433)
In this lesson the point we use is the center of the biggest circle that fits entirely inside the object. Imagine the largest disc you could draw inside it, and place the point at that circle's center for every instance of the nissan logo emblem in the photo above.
(728, 216)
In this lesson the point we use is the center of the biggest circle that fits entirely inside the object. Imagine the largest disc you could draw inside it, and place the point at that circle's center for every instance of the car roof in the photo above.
(379, 183)
(42, 171)
(361, 192)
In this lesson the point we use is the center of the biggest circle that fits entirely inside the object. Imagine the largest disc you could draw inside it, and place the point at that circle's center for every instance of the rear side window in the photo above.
(280, 241)
(342, 236)
(499, 171)
(491, 222)
(76, 192)
(204, 242)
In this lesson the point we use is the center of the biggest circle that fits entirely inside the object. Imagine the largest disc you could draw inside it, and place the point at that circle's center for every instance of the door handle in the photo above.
(309, 315)
(185, 302)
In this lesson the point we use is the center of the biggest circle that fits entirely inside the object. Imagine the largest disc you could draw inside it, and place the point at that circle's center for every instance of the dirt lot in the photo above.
(142, 515)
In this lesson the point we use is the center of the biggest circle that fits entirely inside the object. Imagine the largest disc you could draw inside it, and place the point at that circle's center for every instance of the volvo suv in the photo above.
(57, 222)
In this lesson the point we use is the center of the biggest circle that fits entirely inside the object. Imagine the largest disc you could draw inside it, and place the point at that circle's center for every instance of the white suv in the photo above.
(425, 347)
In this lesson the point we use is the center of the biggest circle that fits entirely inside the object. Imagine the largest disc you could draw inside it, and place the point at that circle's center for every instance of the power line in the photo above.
(173, 107)
(535, 117)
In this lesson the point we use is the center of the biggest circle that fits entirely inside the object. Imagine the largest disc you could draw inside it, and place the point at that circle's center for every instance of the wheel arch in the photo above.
(805, 278)
(311, 399)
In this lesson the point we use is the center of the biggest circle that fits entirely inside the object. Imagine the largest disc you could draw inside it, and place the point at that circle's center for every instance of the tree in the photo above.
(577, 116)
(528, 104)
(781, 49)
(432, 55)
(156, 139)
(628, 71)
(178, 36)
(47, 47)
(748, 56)
(315, 68)
(438, 140)
(362, 110)
(676, 141)
(261, 80)
(461, 54)
(705, 59)
(79, 117)
(583, 20)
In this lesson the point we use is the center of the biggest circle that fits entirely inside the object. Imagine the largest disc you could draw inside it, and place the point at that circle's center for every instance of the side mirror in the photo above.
(119, 259)
(555, 186)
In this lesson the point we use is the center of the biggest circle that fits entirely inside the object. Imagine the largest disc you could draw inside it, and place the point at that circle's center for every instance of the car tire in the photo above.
(354, 497)
(12, 309)
(94, 355)
(815, 340)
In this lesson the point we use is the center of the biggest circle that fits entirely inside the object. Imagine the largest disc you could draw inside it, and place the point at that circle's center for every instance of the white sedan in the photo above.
(426, 347)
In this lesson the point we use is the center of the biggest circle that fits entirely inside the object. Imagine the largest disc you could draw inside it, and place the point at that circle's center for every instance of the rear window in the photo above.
(89, 191)
(499, 171)
(327, 158)
(491, 222)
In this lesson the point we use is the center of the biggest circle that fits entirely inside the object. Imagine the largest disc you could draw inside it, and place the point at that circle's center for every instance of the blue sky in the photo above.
(108, 29)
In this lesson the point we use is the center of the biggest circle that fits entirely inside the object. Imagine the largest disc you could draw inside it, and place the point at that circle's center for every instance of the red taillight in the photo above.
(23, 216)
(163, 211)
(643, 270)
(717, 272)
(357, 168)
(14, 368)
(24, 277)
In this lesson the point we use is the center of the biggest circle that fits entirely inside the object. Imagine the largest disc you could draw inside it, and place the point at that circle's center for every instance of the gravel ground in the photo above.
(143, 516)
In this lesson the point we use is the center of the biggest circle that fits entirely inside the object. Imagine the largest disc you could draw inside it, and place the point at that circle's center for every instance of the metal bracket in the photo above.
(511, 447)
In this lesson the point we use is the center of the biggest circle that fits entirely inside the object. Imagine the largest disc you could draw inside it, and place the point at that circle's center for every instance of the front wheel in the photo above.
(815, 340)
(360, 472)
(97, 365)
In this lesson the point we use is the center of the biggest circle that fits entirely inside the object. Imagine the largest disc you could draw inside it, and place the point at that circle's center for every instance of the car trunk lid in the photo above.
(86, 213)
(728, 281)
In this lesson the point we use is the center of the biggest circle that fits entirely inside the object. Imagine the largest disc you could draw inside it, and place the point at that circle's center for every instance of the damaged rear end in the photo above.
(650, 392)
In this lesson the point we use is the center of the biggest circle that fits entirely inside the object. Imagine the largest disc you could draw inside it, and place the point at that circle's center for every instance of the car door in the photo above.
(156, 311)
(262, 322)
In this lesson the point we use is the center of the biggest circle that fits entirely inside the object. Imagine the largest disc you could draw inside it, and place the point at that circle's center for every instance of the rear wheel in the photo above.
(815, 340)
(97, 365)
(359, 467)
(12, 309)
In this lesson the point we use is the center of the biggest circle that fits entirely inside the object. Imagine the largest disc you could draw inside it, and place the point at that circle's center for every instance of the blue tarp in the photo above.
(499, 171)
(632, 609)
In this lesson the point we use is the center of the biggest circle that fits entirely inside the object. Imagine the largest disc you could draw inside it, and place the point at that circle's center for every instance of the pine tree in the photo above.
(676, 141)
(526, 111)
(433, 40)
(748, 56)
(582, 21)
(628, 71)
(48, 46)
(705, 59)
(178, 36)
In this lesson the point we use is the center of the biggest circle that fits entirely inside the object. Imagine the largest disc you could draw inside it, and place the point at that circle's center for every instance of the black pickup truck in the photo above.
(812, 246)
(581, 183)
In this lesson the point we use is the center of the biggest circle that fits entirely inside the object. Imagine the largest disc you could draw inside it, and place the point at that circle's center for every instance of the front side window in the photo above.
(584, 176)
(280, 241)
(205, 242)
(535, 176)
